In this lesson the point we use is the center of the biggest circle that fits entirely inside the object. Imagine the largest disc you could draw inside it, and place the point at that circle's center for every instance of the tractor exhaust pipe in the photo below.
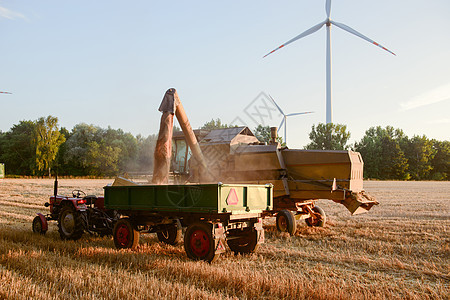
(55, 185)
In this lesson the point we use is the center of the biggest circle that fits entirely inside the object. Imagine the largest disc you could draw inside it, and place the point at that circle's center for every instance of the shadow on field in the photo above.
(89, 246)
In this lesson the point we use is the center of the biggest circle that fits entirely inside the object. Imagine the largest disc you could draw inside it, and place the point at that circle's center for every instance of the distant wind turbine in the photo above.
(328, 22)
(284, 121)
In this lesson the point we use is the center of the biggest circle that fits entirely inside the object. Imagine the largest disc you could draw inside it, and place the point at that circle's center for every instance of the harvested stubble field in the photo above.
(400, 249)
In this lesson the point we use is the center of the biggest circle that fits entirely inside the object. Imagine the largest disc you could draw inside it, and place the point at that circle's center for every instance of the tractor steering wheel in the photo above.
(78, 193)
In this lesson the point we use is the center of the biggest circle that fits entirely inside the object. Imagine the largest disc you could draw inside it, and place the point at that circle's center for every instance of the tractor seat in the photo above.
(90, 199)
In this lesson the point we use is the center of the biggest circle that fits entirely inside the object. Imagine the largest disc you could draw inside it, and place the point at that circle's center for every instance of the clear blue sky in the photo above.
(110, 62)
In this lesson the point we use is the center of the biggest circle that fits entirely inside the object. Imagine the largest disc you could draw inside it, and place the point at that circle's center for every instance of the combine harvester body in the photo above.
(234, 155)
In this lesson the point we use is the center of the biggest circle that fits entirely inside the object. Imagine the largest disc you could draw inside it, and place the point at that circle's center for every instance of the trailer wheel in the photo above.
(286, 222)
(70, 224)
(247, 243)
(172, 234)
(125, 234)
(38, 226)
(317, 221)
(199, 242)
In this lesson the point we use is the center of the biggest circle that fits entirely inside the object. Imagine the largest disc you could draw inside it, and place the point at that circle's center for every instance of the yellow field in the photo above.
(400, 249)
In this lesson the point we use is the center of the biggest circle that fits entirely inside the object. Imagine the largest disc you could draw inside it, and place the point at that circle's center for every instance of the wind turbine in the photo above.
(5, 92)
(284, 121)
(328, 22)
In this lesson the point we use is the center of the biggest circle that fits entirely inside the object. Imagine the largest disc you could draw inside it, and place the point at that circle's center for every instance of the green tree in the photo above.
(18, 149)
(60, 166)
(328, 137)
(92, 150)
(215, 124)
(394, 164)
(370, 148)
(47, 139)
(127, 144)
(441, 160)
(104, 159)
(383, 156)
(420, 153)
(2, 144)
(77, 148)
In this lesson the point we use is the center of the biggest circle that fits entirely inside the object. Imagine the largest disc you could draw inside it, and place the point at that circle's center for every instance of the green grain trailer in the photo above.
(213, 214)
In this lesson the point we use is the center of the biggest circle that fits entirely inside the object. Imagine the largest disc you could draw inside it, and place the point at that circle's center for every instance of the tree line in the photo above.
(40, 147)
(387, 152)
(37, 147)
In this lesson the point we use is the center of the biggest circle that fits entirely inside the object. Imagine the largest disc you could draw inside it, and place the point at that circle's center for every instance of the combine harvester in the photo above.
(300, 177)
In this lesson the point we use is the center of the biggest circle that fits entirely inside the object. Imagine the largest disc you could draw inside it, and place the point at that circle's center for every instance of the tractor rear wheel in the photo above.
(38, 226)
(172, 235)
(246, 243)
(199, 242)
(125, 234)
(286, 222)
(317, 221)
(70, 223)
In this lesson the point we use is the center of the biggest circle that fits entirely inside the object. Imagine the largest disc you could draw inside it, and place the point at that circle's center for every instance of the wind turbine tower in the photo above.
(328, 22)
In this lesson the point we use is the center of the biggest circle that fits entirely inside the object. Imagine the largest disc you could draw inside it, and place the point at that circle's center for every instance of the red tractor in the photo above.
(76, 214)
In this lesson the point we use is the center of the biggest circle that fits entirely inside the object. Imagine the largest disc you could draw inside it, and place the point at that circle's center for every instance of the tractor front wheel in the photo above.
(70, 223)
(38, 226)
(286, 221)
(125, 234)
(199, 242)
(319, 219)
(172, 234)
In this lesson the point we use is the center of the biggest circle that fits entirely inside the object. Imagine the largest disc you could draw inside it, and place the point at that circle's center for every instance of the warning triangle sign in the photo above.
(232, 198)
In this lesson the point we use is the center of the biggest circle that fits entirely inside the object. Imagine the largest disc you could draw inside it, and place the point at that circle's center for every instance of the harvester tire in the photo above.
(70, 223)
(125, 234)
(286, 222)
(247, 243)
(317, 222)
(199, 242)
(38, 227)
(172, 235)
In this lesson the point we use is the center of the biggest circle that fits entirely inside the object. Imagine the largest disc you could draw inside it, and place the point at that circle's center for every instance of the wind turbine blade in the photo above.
(302, 113)
(281, 124)
(279, 108)
(5, 93)
(328, 8)
(353, 31)
(303, 34)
